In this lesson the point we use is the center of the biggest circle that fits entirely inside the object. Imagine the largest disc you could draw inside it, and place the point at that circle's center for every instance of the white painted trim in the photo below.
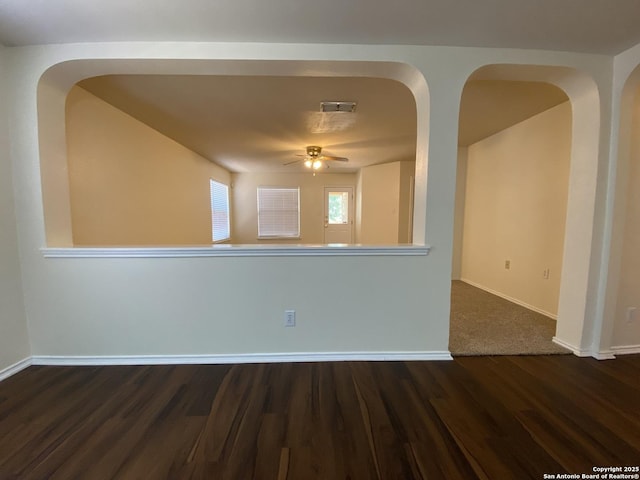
(229, 250)
(581, 352)
(576, 351)
(604, 355)
(244, 358)
(625, 349)
(15, 368)
(511, 299)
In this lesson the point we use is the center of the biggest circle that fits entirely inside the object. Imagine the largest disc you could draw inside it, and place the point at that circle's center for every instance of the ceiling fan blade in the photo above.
(291, 163)
(334, 159)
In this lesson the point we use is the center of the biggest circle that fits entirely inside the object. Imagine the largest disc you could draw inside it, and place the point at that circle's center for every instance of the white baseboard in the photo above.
(625, 349)
(15, 368)
(511, 299)
(585, 352)
(604, 355)
(576, 351)
(246, 358)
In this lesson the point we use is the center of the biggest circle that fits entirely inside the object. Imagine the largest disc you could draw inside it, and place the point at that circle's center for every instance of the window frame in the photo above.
(216, 186)
(284, 235)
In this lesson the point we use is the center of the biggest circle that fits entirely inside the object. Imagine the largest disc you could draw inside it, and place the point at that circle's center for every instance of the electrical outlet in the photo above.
(289, 318)
(631, 314)
(507, 264)
(546, 274)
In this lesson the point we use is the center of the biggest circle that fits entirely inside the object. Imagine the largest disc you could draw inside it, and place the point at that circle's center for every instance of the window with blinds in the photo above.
(220, 230)
(278, 212)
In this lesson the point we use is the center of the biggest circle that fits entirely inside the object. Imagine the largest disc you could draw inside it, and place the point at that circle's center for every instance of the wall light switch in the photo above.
(631, 314)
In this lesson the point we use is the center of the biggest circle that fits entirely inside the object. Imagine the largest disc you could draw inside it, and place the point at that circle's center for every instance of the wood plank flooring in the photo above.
(472, 418)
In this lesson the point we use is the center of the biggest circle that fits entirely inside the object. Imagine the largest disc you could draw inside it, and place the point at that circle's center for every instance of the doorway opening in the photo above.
(515, 142)
(338, 215)
(624, 263)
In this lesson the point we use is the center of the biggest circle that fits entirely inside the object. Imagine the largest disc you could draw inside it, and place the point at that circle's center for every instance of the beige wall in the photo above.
(628, 333)
(245, 211)
(131, 185)
(358, 211)
(405, 206)
(384, 203)
(458, 222)
(14, 342)
(515, 209)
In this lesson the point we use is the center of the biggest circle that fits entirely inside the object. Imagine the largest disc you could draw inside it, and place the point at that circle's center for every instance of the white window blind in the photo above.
(219, 211)
(278, 212)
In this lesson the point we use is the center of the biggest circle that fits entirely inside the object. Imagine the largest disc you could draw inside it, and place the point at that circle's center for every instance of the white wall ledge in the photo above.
(226, 250)
(213, 359)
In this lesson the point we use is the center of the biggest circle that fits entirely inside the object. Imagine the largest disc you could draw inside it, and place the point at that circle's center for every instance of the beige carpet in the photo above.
(485, 324)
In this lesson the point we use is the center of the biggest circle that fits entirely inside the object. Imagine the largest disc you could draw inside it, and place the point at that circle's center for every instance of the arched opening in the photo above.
(62, 212)
(623, 309)
(524, 193)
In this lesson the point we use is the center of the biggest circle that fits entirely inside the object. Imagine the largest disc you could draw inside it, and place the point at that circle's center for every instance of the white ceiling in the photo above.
(259, 123)
(247, 123)
(597, 26)
(489, 106)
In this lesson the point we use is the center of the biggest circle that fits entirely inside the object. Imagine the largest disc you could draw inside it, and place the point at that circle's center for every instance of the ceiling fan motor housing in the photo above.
(314, 151)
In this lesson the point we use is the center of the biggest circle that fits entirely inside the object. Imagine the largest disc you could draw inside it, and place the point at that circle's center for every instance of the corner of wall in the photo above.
(458, 221)
(14, 338)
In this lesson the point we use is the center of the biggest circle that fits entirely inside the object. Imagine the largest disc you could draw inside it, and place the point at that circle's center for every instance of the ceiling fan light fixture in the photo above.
(313, 151)
(314, 160)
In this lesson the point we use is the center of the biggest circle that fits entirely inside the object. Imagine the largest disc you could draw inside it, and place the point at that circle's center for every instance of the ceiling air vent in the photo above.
(347, 107)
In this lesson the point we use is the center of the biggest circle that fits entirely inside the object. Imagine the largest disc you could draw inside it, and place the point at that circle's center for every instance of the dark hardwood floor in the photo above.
(472, 418)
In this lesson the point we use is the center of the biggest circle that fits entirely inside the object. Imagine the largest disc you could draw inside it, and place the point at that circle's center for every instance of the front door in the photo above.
(338, 215)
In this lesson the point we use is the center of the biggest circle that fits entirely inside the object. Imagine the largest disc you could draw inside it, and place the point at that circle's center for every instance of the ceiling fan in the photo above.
(314, 160)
